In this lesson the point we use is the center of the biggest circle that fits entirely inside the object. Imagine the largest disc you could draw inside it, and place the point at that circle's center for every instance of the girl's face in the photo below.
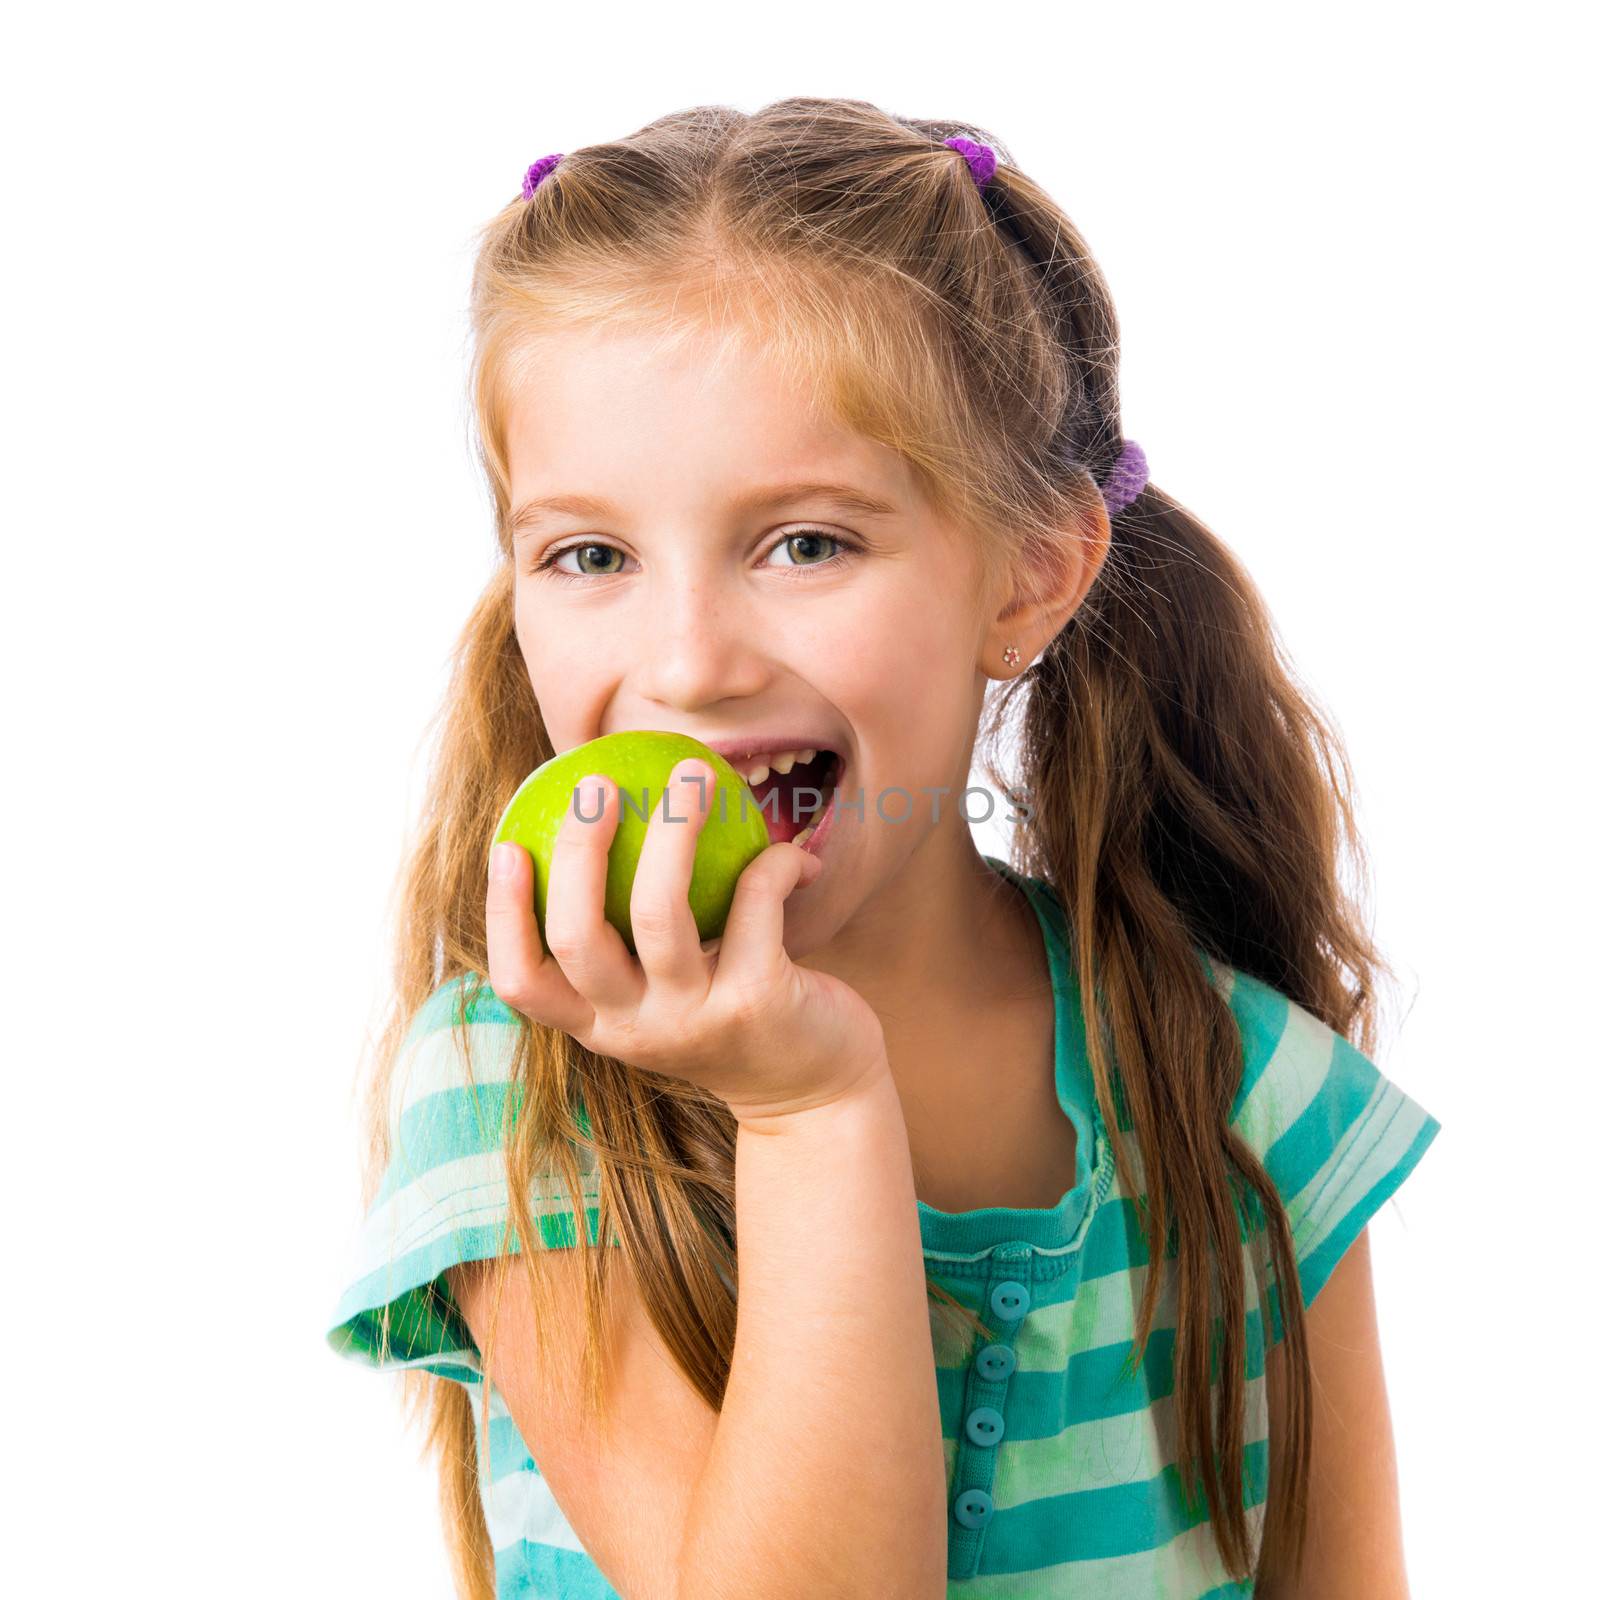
(684, 599)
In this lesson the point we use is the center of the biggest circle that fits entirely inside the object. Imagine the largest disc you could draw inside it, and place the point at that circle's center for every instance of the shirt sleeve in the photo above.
(1336, 1136)
(443, 1197)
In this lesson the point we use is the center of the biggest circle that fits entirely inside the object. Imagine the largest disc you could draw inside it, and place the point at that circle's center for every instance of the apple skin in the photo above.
(637, 761)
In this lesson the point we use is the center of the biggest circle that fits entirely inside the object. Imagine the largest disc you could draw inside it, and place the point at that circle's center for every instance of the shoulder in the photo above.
(443, 1201)
(454, 1085)
(1293, 1063)
(462, 1036)
(1288, 1054)
(1335, 1134)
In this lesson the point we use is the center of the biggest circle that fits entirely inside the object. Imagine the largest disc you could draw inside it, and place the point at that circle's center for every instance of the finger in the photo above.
(752, 940)
(520, 972)
(591, 952)
(665, 934)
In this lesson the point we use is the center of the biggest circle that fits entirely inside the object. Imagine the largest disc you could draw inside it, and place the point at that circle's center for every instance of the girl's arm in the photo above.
(823, 1474)
(1353, 1545)
(826, 1472)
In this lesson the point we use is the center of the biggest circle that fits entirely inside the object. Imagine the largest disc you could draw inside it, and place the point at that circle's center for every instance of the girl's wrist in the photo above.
(864, 1092)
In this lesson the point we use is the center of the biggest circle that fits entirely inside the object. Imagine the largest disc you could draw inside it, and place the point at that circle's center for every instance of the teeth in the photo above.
(804, 834)
(777, 761)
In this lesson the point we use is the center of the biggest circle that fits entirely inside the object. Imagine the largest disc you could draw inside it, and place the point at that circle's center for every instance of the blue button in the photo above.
(996, 1361)
(1009, 1299)
(985, 1425)
(973, 1508)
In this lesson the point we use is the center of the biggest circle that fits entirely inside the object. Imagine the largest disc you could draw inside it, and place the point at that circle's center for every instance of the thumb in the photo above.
(753, 933)
(810, 867)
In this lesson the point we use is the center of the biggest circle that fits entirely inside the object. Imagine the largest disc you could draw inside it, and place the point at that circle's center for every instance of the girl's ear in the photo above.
(1035, 611)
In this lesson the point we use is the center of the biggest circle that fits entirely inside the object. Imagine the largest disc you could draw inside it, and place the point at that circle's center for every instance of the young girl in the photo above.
(975, 1227)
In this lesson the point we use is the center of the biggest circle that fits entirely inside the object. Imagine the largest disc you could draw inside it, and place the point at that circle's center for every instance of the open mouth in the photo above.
(794, 801)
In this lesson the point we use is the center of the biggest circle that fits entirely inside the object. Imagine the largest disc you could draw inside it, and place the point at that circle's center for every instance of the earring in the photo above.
(1010, 655)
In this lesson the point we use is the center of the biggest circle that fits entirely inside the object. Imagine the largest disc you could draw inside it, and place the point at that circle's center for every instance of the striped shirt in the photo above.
(1057, 1461)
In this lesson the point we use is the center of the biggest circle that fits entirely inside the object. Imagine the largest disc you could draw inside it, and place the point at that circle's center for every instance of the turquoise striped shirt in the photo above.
(1059, 1482)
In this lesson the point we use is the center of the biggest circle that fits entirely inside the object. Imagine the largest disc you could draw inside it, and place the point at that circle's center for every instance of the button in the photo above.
(985, 1425)
(996, 1362)
(1009, 1299)
(973, 1508)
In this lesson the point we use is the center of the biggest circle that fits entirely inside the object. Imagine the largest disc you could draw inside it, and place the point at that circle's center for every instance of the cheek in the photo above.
(527, 646)
(541, 633)
(892, 646)
(879, 627)
(924, 643)
(544, 651)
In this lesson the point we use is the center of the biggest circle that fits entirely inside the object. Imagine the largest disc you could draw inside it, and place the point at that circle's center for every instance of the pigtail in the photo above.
(1189, 798)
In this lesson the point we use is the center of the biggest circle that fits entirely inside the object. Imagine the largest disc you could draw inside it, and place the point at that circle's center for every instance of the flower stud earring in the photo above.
(1010, 655)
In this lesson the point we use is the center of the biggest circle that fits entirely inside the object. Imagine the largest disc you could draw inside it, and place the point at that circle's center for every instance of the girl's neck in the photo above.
(941, 951)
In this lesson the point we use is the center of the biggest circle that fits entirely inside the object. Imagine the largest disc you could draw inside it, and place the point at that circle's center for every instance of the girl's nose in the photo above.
(698, 649)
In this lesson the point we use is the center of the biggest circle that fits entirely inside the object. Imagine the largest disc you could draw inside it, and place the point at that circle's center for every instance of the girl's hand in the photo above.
(734, 1015)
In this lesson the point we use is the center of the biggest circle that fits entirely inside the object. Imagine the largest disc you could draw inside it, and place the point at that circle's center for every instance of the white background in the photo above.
(1353, 257)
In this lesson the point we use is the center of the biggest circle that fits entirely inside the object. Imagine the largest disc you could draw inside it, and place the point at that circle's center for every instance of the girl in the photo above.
(976, 1227)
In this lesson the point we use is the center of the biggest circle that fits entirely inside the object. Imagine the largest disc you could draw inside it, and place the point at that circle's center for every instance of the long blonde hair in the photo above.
(1186, 794)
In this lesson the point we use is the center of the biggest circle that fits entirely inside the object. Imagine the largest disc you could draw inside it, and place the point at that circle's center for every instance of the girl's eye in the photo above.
(580, 551)
(806, 542)
(811, 538)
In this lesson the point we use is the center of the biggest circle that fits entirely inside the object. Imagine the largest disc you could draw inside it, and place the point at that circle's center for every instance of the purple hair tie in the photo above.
(980, 159)
(537, 173)
(1127, 479)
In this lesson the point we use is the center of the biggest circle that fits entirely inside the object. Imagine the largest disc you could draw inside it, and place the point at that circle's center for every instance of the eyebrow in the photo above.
(842, 496)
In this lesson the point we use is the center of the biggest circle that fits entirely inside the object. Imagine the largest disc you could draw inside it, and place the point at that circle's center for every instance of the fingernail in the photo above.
(590, 793)
(502, 860)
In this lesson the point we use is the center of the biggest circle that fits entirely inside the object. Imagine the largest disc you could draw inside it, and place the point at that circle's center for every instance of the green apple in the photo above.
(639, 763)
